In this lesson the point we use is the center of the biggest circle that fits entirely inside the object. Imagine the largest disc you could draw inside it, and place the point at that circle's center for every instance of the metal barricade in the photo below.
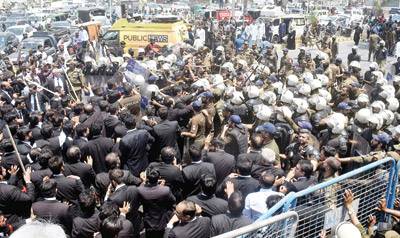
(321, 207)
(280, 226)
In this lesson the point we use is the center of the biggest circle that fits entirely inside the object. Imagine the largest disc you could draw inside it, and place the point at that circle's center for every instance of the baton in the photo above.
(70, 84)
(16, 150)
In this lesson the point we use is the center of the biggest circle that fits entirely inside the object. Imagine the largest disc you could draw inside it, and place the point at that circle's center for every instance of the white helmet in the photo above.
(269, 97)
(242, 62)
(138, 80)
(301, 105)
(321, 104)
(151, 64)
(355, 64)
(253, 91)
(305, 90)
(153, 88)
(363, 115)
(325, 94)
(286, 112)
(166, 66)
(237, 98)
(292, 80)
(315, 84)
(396, 79)
(377, 120)
(393, 104)
(362, 97)
(287, 97)
(346, 229)
(229, 66)
(171, 58)
(378, 104)
(307, 77)
(278, 86)
(220, 48)
(323, 78)
(388, 91)
(388, 117)
(264, 113)
(374, 66)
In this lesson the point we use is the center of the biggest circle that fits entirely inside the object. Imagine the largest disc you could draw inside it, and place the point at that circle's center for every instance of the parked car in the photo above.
(8, 42)
(20, 30)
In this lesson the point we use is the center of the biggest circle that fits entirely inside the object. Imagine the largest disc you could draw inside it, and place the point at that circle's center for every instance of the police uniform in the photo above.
(198, 127)
(77, 79)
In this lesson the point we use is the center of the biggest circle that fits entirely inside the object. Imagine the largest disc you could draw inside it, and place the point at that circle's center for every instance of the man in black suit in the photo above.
(102, 180)
(111, 210)
(43, 168)
(209, 203)
(193, 173)
(85, 224)
(223, 162)
(13, 202)
(68, 188)
(82, 133)
(165, 134)
(35, 100)
(98, 147)
(302, 175)
(56, 79)
(119, 193)
(169, 171)
(231, 220)
(242, 181)
(134, 147)
(24, 141)
(22, 112)
(9, 157)
(74, 166)
(185, 223)
(157, 201)
(35, 119)
(50, 208)
(111, 121)
(6, 92)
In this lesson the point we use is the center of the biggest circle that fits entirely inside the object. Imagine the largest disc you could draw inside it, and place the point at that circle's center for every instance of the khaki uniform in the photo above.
(274, 147)
(129, 101)
(198, 127)
(77, 80)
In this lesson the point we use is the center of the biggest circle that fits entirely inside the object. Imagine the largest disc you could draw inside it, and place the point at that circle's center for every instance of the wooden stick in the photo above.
(70, 84)
(16, 150)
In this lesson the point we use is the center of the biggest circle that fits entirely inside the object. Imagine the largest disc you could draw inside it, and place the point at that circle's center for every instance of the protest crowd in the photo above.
(194, 139)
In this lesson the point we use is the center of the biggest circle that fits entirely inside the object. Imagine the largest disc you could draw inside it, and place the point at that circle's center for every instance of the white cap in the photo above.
(321, 104)
(315, 84)
(376, 119)
(354, 47)
(304, 89)
(325, 94)
(307, 77)
(229, 66)
(393, 104)
(269, 97)
(382, 42)
(388, 117)
(292, 80)
(378, 104)
(278, 86)
(264, 113)
(362, 97)
(253, 91)
(171, 58)
(219, 48)
(363, 115)
(373, 65)
(346, 229)
(355, 64)
(323, 78)
(242, 62)
(287, 97)
(237, 98)
(301, 105)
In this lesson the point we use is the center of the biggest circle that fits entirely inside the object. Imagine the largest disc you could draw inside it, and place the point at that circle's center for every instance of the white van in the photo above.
(297, 21)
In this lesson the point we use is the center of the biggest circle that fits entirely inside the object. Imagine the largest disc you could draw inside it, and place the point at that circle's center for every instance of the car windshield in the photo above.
(111, 35)
(16, 30)
(29, 45)
(61, 24)
(2, 41)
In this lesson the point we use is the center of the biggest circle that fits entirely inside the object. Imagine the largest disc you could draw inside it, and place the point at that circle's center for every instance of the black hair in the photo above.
(55, 164)
(152, 176)
(110, 227)
(195, 153)
(96, 128)
(244, 165)
(167, 154)
(87, 201)
(163, 113)
(108, 209)
(47, 130)
(81, 129)
(103, 104)
(272, 200)
(208, 184)
(74, 154)
(306, 167)
(129, 121)
(236, 203)
(48, 188)
(267, 180)
(116, 175)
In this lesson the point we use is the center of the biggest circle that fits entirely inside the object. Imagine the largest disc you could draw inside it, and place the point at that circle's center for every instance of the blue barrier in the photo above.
(321, 206)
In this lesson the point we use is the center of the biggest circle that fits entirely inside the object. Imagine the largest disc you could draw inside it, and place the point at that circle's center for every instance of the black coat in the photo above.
(223, 162)
(227, 222)
(210, 205)
(41, 100)
(82, 170)
(199, 228)
(165, 135)
(54, 211)
(157, 204)
(98, 148)
(134, 147)
(172, 176)
(15, 202)
(102, 181)
(244, 184)
(192, 175)
(110, 122)
(80, 142)
(68, 189)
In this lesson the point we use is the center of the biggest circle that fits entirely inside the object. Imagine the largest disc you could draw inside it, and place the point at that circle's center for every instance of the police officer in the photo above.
(381, 55)
(197, 133)
(235, 136)
(76, 77)
(353, 56)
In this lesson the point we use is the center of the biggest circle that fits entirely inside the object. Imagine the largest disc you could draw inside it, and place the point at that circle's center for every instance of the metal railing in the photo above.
(321, 207)
(280, 226)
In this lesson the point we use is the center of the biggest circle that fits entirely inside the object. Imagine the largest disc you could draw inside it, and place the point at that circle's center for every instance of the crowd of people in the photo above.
(188, 140)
